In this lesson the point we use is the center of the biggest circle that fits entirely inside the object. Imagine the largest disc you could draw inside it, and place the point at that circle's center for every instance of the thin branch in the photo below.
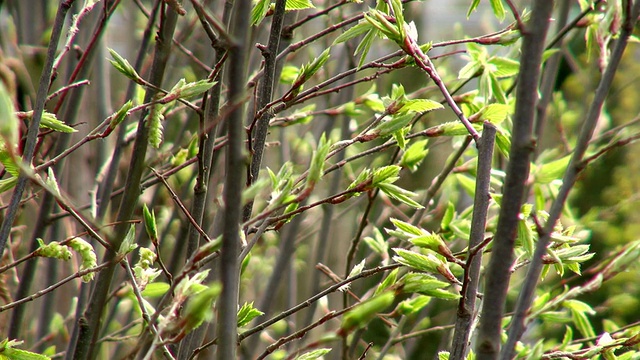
(467, 304)
(183, 208)
(54, 286)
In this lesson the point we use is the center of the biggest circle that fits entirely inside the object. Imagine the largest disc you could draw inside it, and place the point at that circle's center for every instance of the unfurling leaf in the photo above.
(413, 156)
(123, 66)
(247, 313)
(313, 355)
(362, 314)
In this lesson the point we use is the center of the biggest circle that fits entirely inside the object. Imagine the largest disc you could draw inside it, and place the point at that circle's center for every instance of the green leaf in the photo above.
(308, 70)
(582, 323)
(156, 289)
(379, 20)
(377, 243)
(452, 128)
(150, 223)
(397, 122)
(385, 174)
(470, 70)
(420, 106)
(50, 121)
(289, 74)
(413, 156)
(387, 282)
(8, 162)
(503, 141)
(498, 9)
(400, 194)
(361, 315)
(448, 216)
(426, 284)
(200, 308)
(548, 172)
(354, 31)
(312, 355)
(427, 263)
(317, 161)
(259, 11)
(412, 306)
(504, 67)
(473, 7)
(365, 45)
(247, 313)
(121, 114)
(495, 113)
(526, 236)
(407, 229)
(129, 241)
(8, 183)
(188, 90)
(298, 5)
(9, 352)
(123, 66)
(8, 120)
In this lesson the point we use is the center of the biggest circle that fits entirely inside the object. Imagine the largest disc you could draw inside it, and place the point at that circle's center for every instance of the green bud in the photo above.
(362, 314)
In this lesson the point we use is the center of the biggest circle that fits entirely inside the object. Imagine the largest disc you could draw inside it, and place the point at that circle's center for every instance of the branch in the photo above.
(34, 125)
(89, 331)
(293, 310)
(522, 147)
(576, 165)
(227, 327)
(466, 307)
(264, 97)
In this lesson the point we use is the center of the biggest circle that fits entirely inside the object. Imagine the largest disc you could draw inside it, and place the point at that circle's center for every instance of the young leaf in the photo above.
(504, 67)
(259, 11)
(298, 5)
(362, 314)
(412, 306)
(400, 194)
(397, 122)
(123, 66)
(129, 242)
(247, 313)
(8, 162)
(317, 162)
(427, 263)
(473, 7)
(8, 120)
(420, 106)
(352, 32)
(199, 309)
(498, 9)
(387, 282)
(313, 355)
(150, 223)
(9, 352)
(413, 156)
(122, 113)
(377, 243)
